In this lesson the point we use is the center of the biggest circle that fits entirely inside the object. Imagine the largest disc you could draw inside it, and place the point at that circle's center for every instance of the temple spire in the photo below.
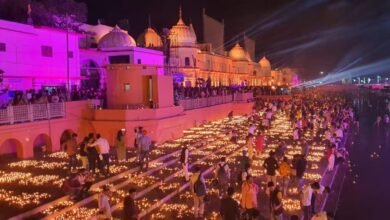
(149, 22)
(180, 12)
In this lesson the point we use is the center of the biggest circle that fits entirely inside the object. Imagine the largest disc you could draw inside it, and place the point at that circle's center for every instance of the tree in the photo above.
(44, 12)
(49, 12)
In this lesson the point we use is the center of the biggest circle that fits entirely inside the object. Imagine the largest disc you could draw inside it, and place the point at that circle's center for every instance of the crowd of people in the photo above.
(325, 116)
(182, 92)
(318, 116)
(48, 95)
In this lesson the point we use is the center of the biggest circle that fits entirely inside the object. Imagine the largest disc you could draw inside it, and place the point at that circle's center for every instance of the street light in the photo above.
(322, 73)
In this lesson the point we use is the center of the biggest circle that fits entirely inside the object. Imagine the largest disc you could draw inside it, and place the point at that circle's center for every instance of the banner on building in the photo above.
(213, 32)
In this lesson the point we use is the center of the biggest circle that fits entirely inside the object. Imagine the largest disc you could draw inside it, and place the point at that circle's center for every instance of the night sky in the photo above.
(316, 35)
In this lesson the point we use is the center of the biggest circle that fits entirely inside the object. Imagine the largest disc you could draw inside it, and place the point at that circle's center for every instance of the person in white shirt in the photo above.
(184, 159)
(104, 151)
(307, 199)
(104, 203)
(331, 160)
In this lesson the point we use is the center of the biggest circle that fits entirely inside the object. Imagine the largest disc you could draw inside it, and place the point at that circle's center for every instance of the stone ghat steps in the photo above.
(171, 157)
(127, 182)
(212, 155)
(195, 148)
(179, 207)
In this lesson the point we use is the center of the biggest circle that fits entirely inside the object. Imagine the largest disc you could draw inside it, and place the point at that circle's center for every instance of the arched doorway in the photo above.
(91, 71)
(66, 135)
(11, 149)
(42, 144)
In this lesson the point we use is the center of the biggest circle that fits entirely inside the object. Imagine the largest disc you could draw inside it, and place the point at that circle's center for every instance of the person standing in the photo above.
(184, 159)
(198, 189)
(271, 165)
(307, 200)
(104, 203)
(222, 174)
(121, 145)
(137, 140)
(249, 191)
(243, 174)
(83, 154)
(70, 147)
(249, 144)
(296, 135)
(276, 203)
(301, 165)
(244, 159)
(331, 160)
(104, 151)
(285, 173)
(130, 210)
(93, 155)
(260, 142)
(145, 144)
(305, 149)
(229, 208)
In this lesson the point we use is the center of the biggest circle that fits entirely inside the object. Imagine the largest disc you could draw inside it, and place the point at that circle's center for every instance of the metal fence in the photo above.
(189, 104)
(33, 112)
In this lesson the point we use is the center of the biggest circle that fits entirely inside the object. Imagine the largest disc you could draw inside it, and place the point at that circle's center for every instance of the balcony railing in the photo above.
(189, 104)
(32, 112)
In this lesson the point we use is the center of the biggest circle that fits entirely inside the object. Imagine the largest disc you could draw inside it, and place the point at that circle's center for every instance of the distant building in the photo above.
(35, 57)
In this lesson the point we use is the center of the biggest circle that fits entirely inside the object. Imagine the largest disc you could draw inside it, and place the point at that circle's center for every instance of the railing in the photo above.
(243, 97)
(95, 103)
(33, 112)
(189, 104)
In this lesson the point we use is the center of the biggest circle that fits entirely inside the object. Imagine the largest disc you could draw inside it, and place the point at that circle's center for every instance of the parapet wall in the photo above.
(162, 124)
(161, 129)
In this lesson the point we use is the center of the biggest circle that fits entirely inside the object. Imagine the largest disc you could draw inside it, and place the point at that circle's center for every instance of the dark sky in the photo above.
(316, 35)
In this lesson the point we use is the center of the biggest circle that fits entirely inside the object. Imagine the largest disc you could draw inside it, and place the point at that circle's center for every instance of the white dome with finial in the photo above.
(237, 53)
(116, 39)
(149, 38)
(181, 34)
(264, 63)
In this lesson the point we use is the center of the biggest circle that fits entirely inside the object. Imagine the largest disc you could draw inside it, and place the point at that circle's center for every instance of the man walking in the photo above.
(104, 151)
(271, 165)
(229, 209)
(249, 191)
(307, 200)
(145, 144)
(198, 189)
(130, 209)
(222, 173)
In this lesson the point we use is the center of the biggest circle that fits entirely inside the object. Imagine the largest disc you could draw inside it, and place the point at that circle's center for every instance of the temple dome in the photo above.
(264, 63)
(116, 39)
(182, 35)
(149, 38)
(237, 53)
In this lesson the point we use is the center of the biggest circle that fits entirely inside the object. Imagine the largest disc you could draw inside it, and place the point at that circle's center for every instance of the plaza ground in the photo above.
(163, 181)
